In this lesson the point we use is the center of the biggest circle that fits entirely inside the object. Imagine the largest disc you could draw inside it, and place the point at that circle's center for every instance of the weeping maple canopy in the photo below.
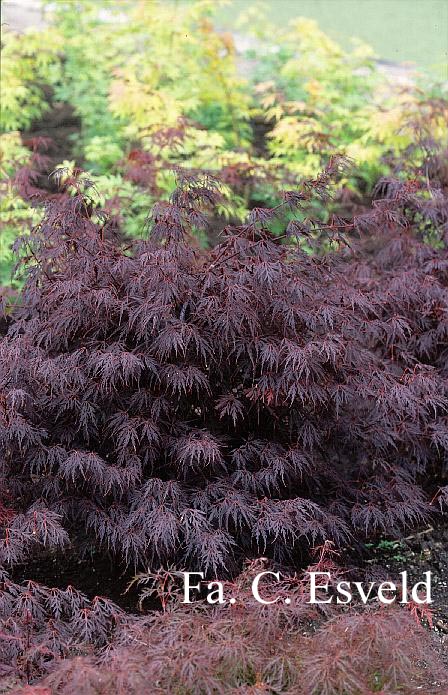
(197, 407)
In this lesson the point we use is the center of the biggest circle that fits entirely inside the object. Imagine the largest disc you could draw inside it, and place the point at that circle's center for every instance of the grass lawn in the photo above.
(399, 30)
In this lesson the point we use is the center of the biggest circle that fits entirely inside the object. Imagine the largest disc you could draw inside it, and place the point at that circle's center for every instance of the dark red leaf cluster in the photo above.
(93, 648)
(39, 625)
(192, 408)
(203, 407)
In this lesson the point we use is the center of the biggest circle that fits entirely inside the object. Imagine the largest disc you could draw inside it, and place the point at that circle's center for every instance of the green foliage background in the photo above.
(165, 79)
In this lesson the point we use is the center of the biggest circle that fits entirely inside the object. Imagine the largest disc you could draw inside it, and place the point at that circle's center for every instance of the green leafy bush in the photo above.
(157, 86)
(319, 98)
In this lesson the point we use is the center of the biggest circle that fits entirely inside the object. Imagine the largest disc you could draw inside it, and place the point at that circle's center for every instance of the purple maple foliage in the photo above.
(180, 406)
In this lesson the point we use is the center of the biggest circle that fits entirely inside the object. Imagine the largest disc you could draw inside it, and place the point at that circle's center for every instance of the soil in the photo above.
(426, 550)
(95, 575)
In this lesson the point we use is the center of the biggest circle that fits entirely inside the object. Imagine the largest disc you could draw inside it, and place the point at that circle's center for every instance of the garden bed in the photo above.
(224, 349)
